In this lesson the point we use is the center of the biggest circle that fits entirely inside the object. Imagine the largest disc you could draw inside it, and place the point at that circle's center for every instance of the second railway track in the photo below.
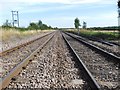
(112, 48)
(104, 68)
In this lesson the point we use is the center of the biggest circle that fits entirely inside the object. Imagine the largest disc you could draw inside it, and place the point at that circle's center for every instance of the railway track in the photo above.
(58, 64)
(10, 58)
(115, 43)
(110, 47)
(96, 40)
(21, 65)
(51, 66)
(103, 65)
(16, 41)
(21, 45)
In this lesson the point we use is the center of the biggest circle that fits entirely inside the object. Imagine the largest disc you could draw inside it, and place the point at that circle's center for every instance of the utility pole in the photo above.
(118, 12)
(15, 18)
(119, 18)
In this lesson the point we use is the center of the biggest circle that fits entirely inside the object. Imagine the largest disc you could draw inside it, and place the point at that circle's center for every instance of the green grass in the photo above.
(105, 35)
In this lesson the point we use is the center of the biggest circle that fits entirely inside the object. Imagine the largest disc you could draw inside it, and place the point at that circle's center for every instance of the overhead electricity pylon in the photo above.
(15, 18)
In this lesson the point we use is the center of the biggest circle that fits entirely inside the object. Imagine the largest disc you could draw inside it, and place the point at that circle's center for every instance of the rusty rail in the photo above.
(22, 45)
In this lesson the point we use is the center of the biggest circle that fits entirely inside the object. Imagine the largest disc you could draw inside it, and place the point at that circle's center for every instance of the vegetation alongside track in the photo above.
(104, 28)
(14, 33)
(8, 32)
(105, 35)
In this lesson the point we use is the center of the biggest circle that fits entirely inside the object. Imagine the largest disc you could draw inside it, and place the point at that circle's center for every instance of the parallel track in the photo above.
(109, 47)
(97, 40)
(89, 77)
(113, 58)
(95, 64)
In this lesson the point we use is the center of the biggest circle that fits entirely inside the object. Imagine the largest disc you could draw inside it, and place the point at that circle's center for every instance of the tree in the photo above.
(44, 26)
(84, 25)
(7, 24)
(39, 23)
(50, 27)
(33, 26)
(77, 24)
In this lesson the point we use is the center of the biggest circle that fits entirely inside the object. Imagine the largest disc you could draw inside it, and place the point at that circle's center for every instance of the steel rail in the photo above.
(94, 39)
(112, 57)
(90, 79)
(22, 45)
(118, 44)
(15, 71)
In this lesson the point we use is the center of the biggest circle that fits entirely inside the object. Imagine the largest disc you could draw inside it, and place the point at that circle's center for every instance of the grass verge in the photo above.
(8, 34)
(105, 35)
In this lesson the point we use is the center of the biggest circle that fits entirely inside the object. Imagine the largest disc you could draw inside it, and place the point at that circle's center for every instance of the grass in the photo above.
(105, 35)
(7, 34)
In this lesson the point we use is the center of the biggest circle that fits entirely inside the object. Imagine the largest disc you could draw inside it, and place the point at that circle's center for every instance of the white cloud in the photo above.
(21, 4)
(56, 1)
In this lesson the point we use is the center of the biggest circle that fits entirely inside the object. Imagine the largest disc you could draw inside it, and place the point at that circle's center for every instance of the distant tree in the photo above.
(7, 24)
(77, 24)
(50, 27)
(33, 26)
(84, 25)
(39, 23)
(56, 28)
(44, 26)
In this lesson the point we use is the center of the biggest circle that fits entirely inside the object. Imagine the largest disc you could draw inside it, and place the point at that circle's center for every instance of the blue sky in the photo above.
(61, 13)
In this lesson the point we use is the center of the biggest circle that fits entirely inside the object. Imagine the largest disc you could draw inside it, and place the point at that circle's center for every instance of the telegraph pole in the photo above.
(15, 18)
(119, 18)
(118, 12)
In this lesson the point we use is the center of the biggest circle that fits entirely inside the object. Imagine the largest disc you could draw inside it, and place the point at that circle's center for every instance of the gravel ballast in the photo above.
(52, 68)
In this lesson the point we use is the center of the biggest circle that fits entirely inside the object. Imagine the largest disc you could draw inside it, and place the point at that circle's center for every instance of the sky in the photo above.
(61, 13)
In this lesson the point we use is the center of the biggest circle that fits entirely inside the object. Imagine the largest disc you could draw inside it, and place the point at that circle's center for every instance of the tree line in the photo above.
(38, 25)
(77, 25)
(32, 26)
(105, 28)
